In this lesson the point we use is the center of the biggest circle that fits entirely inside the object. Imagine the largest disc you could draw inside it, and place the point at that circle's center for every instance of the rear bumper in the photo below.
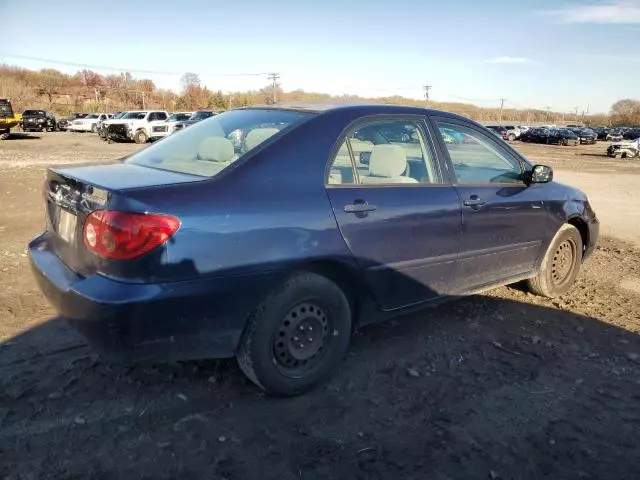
(161, 321)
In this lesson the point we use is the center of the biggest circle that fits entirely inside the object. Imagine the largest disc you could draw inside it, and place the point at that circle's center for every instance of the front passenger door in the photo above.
(503, 219)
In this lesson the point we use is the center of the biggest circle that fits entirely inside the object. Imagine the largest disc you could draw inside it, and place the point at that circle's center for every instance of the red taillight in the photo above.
(123, 236)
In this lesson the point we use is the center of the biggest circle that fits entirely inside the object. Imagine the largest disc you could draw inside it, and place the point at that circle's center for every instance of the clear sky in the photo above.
(534, 53)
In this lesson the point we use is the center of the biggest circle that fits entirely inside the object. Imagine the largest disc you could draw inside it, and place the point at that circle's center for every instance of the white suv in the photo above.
(135, 125)
(166, 128)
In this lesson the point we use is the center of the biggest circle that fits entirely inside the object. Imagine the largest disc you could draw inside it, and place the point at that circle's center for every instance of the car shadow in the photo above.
(483, 387)
(599, 155)
(23, 136)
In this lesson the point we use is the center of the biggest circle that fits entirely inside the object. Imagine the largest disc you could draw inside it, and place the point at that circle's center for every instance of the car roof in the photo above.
(365, 109)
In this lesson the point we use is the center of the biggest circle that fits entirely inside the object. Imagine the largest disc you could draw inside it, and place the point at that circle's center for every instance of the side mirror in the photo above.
(541, 174)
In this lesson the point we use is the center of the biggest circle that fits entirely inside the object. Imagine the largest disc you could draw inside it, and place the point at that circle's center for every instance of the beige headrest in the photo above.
(216, 149)
(387, 161)
(257, 136)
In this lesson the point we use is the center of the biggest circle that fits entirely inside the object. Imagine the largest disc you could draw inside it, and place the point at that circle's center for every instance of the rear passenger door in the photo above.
(397, 212)
(503, 219)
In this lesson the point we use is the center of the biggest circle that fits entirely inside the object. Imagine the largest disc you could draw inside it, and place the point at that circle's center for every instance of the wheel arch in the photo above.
(583, 228)
(347, 277)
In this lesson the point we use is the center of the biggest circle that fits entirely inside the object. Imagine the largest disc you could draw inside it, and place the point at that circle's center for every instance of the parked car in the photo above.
(134, 125)
(499, 131)
(274, 251)
(88, 123)
(38, 121)
(615, 135)
(563, 136)
(64, 122)
(166, 128)
(631, 134)
(195, 118)
(624, 149)
(101, 126)
(8, 119)
(535, 135)
(585, 135)
(601, 132)
(513, 132)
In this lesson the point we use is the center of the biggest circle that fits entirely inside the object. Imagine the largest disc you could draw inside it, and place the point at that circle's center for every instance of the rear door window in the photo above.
(379, 152)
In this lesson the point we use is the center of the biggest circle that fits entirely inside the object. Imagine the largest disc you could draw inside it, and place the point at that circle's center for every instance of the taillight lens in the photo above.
(124, 236)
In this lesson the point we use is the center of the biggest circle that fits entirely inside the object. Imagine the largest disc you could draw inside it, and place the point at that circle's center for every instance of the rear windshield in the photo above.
(134, 115)
(91, 116)
(178, 117)
(201, 115)
(209, 146)
(34, 112)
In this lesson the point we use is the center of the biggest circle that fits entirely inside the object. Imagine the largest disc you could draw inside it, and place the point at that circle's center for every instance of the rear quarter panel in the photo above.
(267, 212)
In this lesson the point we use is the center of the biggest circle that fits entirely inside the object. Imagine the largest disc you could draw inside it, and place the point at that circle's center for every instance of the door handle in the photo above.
(359, 206)
(474, 201)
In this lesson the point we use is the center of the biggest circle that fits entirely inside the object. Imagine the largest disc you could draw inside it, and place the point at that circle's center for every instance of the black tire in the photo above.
(511, 137)
(140, 137)
(94, 129)
(565, 142)
(556, 276)
(269, 354)
(4, 135)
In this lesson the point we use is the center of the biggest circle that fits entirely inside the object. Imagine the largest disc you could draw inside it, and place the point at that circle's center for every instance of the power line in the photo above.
(121, 69)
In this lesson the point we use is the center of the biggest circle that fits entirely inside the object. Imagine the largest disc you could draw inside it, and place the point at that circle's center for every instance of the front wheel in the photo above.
(297, 336)
(511, 137)
(140, 137)
(561, 264)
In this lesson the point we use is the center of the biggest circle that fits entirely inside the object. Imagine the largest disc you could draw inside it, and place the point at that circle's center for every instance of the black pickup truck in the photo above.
(38, 121)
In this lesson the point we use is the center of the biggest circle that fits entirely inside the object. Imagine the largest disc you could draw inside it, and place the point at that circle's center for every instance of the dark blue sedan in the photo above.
(270, 234)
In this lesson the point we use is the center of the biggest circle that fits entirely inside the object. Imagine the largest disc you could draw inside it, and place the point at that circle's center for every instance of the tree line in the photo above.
(87, 90)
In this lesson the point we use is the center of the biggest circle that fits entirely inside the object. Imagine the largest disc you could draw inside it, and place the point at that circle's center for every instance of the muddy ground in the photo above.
(501, 385)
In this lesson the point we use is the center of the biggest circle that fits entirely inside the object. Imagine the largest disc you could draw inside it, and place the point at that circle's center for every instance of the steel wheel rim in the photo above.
(564, 259)
(302, 338)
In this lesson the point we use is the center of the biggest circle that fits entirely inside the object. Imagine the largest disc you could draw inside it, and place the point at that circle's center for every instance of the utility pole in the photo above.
(427, 90)
(274, 77)
(548, 110)
(502, 100)
(576, 109)
(583, 113)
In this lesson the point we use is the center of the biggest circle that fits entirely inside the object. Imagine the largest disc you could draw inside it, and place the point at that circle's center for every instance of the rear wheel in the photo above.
(140, 137)
(4, 134)
(511, 137)
(297, 336)
(565, 142)
(561, 264)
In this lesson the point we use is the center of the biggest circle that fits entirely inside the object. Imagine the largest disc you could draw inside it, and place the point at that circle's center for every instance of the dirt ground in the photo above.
(503, 385)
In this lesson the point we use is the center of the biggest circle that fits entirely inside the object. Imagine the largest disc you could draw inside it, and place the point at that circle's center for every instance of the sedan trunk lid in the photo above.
(72, 193)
